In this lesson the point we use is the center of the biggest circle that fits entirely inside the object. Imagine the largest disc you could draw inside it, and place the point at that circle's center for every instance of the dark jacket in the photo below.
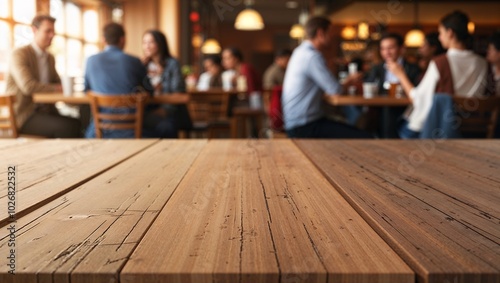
(377, 74)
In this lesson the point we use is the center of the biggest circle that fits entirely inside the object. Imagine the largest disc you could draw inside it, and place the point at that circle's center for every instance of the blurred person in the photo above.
(32, 69)
(432, 47)
(275, 74)
(392, 49)
(306, 80)
(493, 57)
(114, 72)
(232, 60)
(165, 75)
(212, 76)
(457, 72)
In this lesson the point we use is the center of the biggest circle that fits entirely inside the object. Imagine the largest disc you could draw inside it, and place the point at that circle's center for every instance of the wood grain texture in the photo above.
(48, 168)
(259, 211)
(88, 234)
(81, 98)
(435, 202)
(340, 100)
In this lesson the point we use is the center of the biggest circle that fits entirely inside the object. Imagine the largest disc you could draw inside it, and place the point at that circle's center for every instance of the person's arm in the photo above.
(22, 75)
(399, 72)
(268, 80)
(322, 75)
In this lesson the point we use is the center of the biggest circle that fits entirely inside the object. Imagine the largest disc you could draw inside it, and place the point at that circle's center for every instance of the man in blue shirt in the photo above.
(114, 72)
(307, 79)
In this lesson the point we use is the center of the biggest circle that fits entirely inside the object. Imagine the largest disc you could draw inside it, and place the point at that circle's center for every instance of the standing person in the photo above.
(114, 72)
(212, 75)
(275, 74)
(458, 72)
(165, 75)
(306, 80)
(33, 70)
(232, 60)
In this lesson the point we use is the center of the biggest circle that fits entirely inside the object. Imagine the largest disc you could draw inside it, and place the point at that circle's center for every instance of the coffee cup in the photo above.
(369, 90)
(68, 85)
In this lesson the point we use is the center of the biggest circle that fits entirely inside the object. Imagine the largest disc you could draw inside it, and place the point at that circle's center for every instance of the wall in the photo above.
(399, 12)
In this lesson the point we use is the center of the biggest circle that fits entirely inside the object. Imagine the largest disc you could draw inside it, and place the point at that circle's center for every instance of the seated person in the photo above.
(212, 76)
(431, 48)
(391, 50)
(164, 73)
(458, 72)
(275, 74)
(114, 72)
(33, 70)
(306, 80)
(232, 60)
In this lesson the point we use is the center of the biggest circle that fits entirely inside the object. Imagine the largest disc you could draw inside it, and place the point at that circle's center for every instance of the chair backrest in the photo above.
(8, 121)
(208, 107)
(118, 121)
(478, 116)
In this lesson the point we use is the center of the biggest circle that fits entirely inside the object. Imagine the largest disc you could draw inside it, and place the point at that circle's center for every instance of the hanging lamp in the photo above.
(415, 37)
(249, 19)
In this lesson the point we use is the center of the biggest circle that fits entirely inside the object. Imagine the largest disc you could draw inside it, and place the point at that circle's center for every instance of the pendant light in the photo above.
(211, 45)
(415, 37)
(249, 19)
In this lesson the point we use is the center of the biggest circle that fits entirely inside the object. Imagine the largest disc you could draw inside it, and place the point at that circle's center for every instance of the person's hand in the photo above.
(395, 68)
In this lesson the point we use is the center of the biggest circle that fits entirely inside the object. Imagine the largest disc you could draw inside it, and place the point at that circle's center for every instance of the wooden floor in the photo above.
(252, 211)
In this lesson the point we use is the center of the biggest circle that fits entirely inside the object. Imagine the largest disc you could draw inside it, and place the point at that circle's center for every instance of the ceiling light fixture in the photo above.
(249, 19)
(415, 37)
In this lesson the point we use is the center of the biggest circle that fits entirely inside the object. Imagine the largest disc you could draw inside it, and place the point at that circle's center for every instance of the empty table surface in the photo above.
(437, 203)
(252, 211)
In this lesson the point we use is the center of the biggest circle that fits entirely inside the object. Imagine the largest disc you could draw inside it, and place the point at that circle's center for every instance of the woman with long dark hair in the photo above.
(164, 72)
(458, 72)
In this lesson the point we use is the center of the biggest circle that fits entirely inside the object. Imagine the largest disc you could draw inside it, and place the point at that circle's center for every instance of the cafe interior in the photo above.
(197, 175)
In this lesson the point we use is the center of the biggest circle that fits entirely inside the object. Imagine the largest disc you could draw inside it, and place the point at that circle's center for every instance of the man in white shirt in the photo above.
(32, 69)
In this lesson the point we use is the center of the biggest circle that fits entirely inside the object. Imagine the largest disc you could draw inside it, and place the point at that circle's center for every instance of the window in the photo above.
(74, 40)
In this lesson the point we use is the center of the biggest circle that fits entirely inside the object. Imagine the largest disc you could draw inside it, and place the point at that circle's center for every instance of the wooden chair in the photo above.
(208, 112)
(118, 121)
(478, 116)
(8, 121)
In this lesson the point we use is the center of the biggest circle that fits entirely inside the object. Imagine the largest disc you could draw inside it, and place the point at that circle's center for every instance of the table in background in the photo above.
(81, 98)
(391, 110)
(255, 211)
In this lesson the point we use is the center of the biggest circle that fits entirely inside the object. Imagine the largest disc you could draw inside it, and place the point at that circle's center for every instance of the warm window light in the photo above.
(249, 19)
(348, 33)
(363, 30)
(297, 31)
(471, 27)
(414, 38)
(211, 46)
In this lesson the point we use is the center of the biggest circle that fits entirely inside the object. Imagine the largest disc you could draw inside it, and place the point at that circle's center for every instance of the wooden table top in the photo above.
(345, 100)
(252, 211)
(81, 98)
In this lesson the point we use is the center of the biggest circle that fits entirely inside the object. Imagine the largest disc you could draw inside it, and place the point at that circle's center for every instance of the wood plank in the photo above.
(48, 168)
(81, 98)
(259, 211)
(88, 234)
(342, 100)
(434, 202)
